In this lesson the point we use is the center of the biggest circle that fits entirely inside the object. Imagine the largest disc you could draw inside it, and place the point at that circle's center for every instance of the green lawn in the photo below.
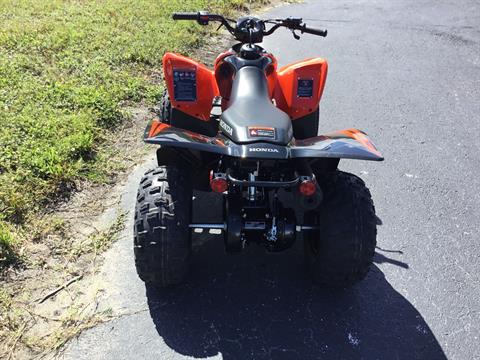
(67, 70)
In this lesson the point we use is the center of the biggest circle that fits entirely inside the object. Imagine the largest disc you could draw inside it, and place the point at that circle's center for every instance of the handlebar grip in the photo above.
(185, 16)
(312, 31)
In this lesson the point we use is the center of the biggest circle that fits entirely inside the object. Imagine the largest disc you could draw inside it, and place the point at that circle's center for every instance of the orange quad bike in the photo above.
(249, 131)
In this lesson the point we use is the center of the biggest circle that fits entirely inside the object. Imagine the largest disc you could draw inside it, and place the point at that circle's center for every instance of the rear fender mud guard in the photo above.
(342, 144)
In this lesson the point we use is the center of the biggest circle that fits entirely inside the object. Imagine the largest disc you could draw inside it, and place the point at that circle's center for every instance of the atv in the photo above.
(249, 131)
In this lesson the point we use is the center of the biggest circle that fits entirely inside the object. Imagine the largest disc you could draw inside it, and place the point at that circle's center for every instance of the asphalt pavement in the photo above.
(407, 73)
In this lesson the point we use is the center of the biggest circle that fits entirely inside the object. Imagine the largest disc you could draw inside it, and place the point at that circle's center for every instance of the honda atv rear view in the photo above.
(249, 131)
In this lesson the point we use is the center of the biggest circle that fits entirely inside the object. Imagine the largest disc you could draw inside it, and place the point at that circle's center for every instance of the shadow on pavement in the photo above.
(380, 259)
(258, 306)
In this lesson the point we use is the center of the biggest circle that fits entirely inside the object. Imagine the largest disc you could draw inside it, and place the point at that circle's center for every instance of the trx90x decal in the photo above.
(226, 127)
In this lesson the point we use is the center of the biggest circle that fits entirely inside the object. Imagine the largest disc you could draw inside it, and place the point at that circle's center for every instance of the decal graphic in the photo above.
(263, 150)
(362, 138)
(185, 85)
(156, 127)
(226, 127)
(305, 88)
(264, 132)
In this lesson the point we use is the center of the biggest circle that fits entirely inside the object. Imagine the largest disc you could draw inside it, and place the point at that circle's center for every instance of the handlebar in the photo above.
(318, 32)
(203, 18)
(185, 16)
(295, 24)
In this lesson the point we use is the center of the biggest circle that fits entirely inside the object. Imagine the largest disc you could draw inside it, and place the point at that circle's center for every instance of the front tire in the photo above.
(162, 241)
(341, 252)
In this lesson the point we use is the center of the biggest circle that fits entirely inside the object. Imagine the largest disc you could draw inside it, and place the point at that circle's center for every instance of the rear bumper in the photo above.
(343, 144)
(264, 184)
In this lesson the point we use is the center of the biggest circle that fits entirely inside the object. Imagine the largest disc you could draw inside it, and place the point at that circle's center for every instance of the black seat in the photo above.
(250, 106)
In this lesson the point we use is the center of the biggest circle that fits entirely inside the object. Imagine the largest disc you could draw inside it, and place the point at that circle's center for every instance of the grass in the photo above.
(8, 240)
(68, 68)
(12, 322)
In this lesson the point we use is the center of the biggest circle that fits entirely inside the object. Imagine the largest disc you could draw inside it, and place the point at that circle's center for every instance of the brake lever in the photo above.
(219, 26)
(297, 37)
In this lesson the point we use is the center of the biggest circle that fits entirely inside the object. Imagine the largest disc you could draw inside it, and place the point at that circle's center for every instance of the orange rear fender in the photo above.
(299, 87)
(197, 100)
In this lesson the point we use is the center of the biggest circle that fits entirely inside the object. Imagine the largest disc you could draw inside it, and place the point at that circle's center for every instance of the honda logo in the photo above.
(270, 150)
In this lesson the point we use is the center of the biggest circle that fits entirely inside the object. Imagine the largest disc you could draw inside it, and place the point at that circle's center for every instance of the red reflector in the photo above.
(308, 187)
(219, 185)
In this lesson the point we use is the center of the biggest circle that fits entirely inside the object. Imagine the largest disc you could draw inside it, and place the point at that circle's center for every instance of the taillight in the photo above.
(308, 187)
(218, 183)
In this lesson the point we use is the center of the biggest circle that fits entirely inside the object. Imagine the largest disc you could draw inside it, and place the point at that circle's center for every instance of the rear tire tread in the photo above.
(347, 236)
(162, 242)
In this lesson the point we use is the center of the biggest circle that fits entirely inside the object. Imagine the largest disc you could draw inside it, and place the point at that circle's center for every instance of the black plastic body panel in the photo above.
(345, 144)
(184, 121)
(251, 106)
(306, 126)
(238, 62)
